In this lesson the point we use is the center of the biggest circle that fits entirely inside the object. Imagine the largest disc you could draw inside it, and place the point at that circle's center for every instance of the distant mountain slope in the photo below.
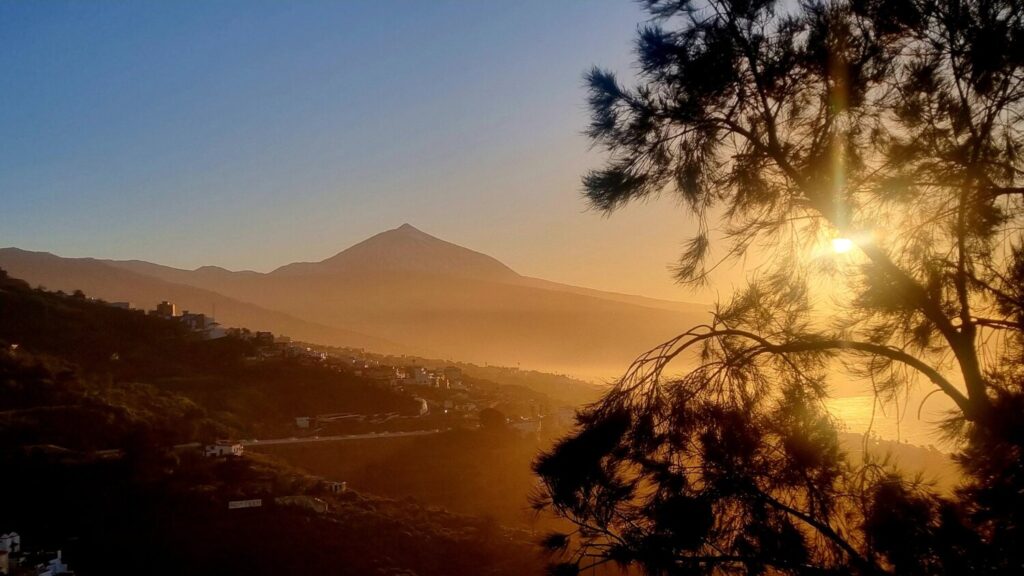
(657, 303)
(478, 321)
(443, 300)
(112, 283)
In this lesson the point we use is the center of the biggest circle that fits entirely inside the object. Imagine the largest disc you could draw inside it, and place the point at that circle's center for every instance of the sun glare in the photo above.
(842, 245)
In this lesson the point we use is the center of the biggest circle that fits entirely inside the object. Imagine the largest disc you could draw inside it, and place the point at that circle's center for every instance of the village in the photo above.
(446, 398)
(440, 397)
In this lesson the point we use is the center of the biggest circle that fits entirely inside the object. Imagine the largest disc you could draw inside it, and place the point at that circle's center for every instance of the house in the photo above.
(10, 542)
(335, 487)
(196, 322)
(53, 566)
(223, 448)
(202, 323)
(214, 331)
(166, 309)
(10, 547)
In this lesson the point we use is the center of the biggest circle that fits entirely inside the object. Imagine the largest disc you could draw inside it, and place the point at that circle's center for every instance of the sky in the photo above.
(253, 134)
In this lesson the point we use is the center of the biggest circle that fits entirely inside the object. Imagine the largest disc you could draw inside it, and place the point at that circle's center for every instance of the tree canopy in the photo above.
(892, 128)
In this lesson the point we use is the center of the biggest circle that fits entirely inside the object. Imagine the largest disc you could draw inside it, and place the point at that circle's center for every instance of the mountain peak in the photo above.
(402, 250)
(407, 230)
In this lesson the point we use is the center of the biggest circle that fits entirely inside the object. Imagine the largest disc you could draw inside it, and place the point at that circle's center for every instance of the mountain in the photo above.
(431, 297)
(404, 249)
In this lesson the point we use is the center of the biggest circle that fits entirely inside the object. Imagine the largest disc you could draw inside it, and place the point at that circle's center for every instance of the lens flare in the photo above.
(842, 245)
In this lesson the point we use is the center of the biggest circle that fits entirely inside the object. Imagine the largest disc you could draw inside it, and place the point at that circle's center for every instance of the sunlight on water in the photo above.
(860, 414)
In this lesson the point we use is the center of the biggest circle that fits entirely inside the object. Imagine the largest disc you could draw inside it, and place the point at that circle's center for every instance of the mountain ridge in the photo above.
(412, 291)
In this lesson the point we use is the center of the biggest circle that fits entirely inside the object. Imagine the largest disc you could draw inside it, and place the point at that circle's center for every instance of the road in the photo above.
(279, 441)
(371, 435)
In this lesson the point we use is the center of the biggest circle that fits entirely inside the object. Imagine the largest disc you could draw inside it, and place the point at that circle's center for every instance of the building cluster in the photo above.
(448, 394)
(201, 323)
(449, 378)
(16, 561)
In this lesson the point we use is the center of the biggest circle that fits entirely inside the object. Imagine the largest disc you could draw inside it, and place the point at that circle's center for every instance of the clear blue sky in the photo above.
(252, 134)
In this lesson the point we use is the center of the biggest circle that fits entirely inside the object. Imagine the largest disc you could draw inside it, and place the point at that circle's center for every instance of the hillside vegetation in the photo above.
(97, 407)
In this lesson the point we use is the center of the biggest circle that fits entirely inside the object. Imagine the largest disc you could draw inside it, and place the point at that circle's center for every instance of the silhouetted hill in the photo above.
(145, 290)
(92, 352)
(416, 294)
(95, 403)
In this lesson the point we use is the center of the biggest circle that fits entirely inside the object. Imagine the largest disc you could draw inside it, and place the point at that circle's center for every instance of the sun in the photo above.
(842, 245)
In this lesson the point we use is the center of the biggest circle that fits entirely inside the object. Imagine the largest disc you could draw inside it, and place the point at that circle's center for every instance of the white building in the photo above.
(52, 568)
(10, 546)
(10, 543)
(224, 448)
(214, 331)
(336, 487)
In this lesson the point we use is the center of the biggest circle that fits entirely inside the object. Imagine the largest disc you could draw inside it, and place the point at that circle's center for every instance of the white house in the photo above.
(336, 487)
(54, 567)
(224, 448)
(10, 543)
(10, 546)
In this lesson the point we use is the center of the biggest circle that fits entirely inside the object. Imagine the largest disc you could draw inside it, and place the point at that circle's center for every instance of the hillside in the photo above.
(401, 291)
(98, 406)
(76, 352)
(120, 284)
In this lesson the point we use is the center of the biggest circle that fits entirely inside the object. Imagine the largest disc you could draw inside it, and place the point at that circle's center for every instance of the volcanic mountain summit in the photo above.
(405, 249)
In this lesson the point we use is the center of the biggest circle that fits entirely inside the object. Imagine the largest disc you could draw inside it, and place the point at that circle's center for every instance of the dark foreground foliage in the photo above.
(893, 129)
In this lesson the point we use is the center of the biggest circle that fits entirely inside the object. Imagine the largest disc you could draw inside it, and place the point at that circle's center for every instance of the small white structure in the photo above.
(10, 542)
(54, 567)
(302, 501)
(240, 504)
(224, 448)
(336, 487)
(10, 546)
(215, 331)
(302, 422)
